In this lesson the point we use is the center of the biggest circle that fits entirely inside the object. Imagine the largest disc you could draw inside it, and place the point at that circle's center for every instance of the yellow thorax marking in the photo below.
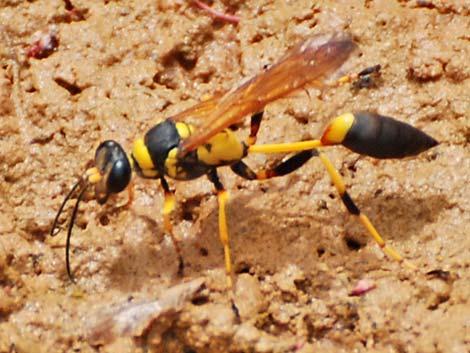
(171, 165)
(221, 148)
(184, 130)
(143, 159)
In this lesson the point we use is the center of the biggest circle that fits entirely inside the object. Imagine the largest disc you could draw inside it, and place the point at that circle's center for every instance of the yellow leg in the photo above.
(353, 209)
(222, 196)
(169, 204)
(285, 147)
(223, 234)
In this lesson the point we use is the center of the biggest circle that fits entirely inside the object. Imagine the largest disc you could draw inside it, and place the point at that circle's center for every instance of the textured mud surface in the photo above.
(117, 68)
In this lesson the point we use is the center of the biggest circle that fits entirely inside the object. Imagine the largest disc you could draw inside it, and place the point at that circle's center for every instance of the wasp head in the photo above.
(110, 174)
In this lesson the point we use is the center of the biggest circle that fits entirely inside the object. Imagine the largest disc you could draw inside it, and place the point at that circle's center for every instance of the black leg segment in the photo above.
(283, 168)
(254, 127)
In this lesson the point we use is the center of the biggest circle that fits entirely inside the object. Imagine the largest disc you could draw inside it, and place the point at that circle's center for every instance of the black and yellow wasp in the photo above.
(176, 149)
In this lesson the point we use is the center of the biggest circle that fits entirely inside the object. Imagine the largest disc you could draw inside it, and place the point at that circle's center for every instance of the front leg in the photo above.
(168, 206)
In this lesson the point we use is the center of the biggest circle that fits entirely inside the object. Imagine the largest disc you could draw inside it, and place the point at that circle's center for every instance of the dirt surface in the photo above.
(116, 68)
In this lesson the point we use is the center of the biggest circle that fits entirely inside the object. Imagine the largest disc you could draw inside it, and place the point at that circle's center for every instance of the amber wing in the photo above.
(312, 62)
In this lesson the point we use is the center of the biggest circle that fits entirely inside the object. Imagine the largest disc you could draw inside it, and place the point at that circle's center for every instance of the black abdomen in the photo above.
(384, 137)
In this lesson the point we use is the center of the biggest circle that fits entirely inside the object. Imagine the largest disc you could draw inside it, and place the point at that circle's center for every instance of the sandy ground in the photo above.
(118, 68)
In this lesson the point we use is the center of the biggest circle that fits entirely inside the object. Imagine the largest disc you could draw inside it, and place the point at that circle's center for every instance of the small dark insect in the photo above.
(367, 78)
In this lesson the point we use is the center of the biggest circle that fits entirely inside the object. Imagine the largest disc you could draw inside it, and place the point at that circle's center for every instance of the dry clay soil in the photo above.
(122, 65)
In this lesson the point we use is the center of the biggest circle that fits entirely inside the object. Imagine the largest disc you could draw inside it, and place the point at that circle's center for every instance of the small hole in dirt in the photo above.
(352, 167)
(201, 300)
(68, 5)
(378, 192)
(203, 252)
(352, 244)
(9, 259)
(185, 60)
(315, 333)
(187, 216)
(243, 268)
(332, 196)
(320, 252)
(302, 285)
(322, 205)
(167, 78)
(190, 209)
(70, 87)
(431, 156)
(104, 220)
(302, 120)
(206, 77)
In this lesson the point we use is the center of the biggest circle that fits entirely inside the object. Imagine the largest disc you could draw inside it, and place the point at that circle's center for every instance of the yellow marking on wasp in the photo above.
(184, 130)
(221, 148)
(251, 140)
(168, 206)
(336, 131)
(171, 165)
(142, 155)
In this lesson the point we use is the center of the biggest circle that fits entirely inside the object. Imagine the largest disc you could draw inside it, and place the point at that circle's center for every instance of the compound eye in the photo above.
(119, 175)
(115, 169)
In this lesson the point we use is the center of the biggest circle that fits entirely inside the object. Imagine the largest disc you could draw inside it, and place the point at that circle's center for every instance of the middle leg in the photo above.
(222, 196)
